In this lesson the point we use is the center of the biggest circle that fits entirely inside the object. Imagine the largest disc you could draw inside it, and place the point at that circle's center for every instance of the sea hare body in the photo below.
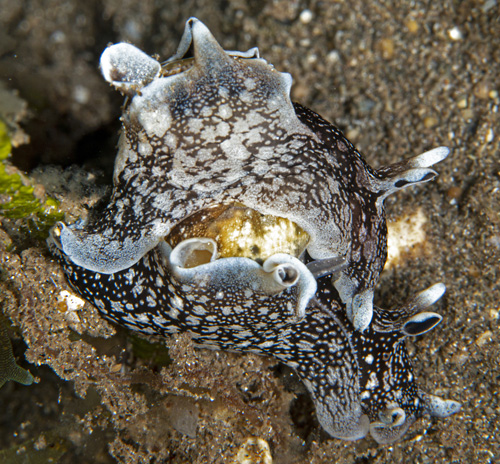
(256, 225)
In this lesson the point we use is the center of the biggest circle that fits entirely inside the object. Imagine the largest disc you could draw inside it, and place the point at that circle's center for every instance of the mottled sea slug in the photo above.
(254, 224)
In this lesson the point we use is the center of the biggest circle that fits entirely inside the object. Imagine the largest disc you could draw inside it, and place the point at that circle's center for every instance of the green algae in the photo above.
(47, 448)
(17, 198)
(156, 353)
(5, 145)
(9, 370)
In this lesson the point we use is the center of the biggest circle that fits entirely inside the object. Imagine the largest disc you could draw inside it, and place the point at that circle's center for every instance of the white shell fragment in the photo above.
(437, 407)
(71, 301)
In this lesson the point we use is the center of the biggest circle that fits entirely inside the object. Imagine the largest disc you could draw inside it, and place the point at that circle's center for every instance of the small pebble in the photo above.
(484, 338)
(494, 314)
(40, 443)
(353, 134)
(460, 358)
(455, 34)
(116, 368)
(81, 94)
(430, 121)
(468, 114)
(488, 5)
(482, 90)
(333, 57)
(72, 317)
(454, 193)
(306, 16)
(412, 26)
(387, 48)
(254, 451)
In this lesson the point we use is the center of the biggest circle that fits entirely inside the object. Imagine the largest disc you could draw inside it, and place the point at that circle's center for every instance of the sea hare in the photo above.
(254, 224)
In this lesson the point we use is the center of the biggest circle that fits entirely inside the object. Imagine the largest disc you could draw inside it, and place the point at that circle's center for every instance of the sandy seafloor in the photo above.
(399, 78)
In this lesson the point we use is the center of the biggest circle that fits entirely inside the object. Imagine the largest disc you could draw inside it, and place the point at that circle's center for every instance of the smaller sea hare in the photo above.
(254, 224)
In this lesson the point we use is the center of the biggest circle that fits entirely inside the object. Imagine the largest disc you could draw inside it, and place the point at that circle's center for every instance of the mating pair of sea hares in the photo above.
(254, 224)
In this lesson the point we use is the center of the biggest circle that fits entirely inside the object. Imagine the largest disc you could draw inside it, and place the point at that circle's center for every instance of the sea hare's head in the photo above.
(389, 393)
